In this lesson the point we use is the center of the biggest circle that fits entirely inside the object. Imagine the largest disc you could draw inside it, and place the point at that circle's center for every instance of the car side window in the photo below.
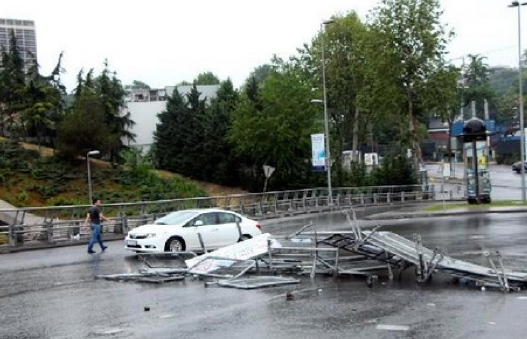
(226, 218)
(207, 218)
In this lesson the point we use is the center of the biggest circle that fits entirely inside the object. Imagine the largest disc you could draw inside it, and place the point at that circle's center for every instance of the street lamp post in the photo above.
(326, 118)
(520, 97)
(90, 153)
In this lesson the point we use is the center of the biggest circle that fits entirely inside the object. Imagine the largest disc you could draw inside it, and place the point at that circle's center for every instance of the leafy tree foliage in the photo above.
(97, 98)
(12, 83)
(31, 103)
(345, 41)
(207, 78)
(272, 125)
(137, 84)
(411, 45)
(111, 94)
(84, 128)
(476, 84)
(178, 136)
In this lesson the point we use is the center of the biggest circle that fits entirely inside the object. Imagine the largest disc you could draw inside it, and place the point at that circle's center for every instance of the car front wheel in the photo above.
(175, 244)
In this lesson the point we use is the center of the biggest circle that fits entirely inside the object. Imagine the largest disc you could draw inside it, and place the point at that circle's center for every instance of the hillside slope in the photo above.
(28, 179)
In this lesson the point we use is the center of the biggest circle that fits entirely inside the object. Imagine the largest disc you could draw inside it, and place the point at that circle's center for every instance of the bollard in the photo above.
(48, 225)
(12, 236)
(125, 224)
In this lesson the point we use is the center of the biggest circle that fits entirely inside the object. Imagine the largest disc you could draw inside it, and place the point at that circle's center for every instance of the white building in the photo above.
(145, 104)
(25, 36)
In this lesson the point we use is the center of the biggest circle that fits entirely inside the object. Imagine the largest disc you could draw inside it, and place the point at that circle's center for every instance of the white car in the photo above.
(178, 231)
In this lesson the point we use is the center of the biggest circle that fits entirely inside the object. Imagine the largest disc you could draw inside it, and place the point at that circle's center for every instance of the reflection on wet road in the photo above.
(52, 294)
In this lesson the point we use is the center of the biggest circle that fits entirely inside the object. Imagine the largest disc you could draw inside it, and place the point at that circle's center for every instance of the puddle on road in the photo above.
(166, 316)
(476, 237)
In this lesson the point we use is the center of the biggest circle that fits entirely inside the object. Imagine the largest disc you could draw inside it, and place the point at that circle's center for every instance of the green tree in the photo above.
(43, 104)
(136, 84)
(477, 83)
(111, 93)
(219, 160)
(106, 93)
(169, 136)
(84, 128)
(206, 78)
(411, 48)
(345, 41)
(180, 135)
(272, 125)
(12, 83)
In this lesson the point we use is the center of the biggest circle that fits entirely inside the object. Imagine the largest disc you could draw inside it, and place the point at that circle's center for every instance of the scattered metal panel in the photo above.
(173, 260)
(398, 251)
(142, 277)
(406, 249)
(222, 267)
(248, 283)
(245, 250)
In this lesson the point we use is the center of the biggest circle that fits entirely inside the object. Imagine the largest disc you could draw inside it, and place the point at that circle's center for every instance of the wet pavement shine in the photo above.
(53, 294)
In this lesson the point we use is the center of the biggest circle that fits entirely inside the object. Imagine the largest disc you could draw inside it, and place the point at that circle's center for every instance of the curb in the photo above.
(416, 215)
(44, 246)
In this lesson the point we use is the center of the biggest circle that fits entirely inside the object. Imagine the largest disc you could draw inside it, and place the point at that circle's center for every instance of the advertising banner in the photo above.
(318, 154)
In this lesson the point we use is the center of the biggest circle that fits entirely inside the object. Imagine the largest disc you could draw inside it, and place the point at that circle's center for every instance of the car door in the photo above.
(209, 229)
(228, 228)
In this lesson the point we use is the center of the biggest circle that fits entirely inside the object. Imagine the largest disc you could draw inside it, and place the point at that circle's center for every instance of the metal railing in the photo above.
(53, 225)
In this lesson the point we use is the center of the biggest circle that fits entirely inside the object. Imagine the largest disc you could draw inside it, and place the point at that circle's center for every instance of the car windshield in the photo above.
(176, 218)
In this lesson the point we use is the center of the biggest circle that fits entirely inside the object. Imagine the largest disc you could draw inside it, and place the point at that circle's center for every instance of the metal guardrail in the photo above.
(53, 225)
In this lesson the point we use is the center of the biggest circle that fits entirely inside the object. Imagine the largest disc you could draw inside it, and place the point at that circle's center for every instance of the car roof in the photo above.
(204, 210)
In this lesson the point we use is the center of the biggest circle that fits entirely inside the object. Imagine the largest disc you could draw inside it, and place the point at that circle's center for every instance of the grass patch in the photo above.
(30, 179)
(448, 206)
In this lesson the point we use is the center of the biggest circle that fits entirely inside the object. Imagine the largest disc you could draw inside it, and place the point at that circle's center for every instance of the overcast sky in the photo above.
(163, 42)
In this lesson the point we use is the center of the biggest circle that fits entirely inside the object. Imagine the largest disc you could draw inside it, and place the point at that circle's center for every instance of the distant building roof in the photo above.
(207, 91)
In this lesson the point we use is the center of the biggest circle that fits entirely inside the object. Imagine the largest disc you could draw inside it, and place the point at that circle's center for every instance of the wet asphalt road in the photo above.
(506, 184)
(53, 294)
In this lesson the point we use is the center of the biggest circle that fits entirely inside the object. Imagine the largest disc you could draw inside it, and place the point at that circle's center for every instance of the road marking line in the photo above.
(393, 327)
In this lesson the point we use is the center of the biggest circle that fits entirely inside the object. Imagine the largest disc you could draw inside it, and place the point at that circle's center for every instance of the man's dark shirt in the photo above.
(95, 215)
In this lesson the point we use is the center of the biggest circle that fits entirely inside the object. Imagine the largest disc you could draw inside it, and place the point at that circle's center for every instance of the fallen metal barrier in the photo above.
(402, 253)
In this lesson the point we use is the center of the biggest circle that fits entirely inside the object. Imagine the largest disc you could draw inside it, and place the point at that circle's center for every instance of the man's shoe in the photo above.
(91, 252)
(104, 248)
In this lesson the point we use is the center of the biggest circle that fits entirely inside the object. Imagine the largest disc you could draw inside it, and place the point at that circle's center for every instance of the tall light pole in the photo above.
(90, 153)
(326, 118)
(520, 97)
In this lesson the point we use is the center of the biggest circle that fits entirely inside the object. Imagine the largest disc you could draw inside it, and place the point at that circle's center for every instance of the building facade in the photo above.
(145, 104)
(26, 39)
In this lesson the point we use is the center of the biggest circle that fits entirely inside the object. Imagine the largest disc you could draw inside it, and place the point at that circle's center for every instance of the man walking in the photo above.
(94, 216)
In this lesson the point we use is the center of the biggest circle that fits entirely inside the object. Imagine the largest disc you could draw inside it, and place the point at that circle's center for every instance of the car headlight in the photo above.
(151, 235)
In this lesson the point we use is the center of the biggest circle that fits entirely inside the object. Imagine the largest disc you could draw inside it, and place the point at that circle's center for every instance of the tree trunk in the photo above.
(38, 138)
(338, 157)
(355, 142)
(416, 147)
(2, 119)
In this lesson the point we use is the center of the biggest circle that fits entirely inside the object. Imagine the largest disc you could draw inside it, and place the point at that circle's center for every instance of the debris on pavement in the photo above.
(352, 252)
